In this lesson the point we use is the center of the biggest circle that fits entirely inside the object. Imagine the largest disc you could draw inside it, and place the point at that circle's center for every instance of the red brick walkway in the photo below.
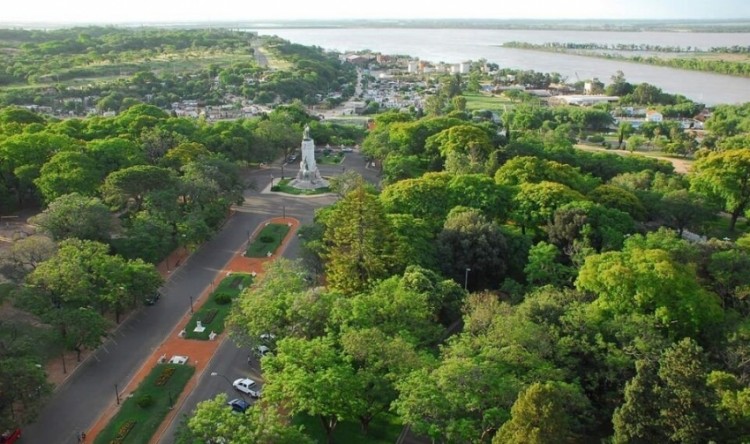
(200, 352)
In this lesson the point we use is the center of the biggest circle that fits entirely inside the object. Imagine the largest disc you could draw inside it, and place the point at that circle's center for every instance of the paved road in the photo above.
(229, 360)
(77, 404)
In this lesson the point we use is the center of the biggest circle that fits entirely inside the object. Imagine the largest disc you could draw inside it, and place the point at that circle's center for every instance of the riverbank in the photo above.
(711, 62)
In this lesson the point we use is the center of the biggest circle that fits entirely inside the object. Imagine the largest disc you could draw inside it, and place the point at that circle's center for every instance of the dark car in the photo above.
(152, 298)
(238, 405)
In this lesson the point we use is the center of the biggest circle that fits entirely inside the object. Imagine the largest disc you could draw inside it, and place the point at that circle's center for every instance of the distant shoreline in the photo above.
(621, 25)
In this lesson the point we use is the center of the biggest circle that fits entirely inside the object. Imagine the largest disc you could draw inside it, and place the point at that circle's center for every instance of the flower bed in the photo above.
(123, 431)
(209, 316)
(134, 424)
(166, 373)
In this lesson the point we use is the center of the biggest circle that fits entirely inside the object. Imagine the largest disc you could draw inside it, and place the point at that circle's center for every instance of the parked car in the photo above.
(152, 298)
(247, 386)
(10, 436)
(347, 150)
(238, 405)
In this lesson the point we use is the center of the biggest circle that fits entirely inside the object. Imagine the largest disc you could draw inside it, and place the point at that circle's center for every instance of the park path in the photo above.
(199, 352)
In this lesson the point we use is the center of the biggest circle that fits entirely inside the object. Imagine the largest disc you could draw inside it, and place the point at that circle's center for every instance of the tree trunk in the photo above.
(364, 422)
(328, 425)
(733, 221)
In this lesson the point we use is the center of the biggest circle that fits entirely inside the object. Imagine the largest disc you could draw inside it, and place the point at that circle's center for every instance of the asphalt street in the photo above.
(77, 404)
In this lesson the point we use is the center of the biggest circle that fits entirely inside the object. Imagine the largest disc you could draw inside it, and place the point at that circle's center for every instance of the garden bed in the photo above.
(215, 310)
(283, 187)
(135, 424)
(268, 240)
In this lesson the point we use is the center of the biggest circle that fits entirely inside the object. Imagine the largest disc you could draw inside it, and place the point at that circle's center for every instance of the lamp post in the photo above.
(229, 382)
(191, 303)
(117, 394)
(466, 279)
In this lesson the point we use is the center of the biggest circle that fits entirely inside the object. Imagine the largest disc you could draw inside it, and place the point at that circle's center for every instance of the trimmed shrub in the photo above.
(222, 298)
(145, 401)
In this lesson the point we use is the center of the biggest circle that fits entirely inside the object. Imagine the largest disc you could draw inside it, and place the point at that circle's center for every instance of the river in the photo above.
(458, 45)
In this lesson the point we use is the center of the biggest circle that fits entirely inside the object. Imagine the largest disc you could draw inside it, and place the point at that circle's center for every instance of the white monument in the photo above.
(308, 176)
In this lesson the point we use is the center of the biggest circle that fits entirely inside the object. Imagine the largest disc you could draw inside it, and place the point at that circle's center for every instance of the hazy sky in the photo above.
(143, 11)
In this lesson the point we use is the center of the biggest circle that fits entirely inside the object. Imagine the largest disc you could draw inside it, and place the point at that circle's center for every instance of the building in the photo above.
(654, 116)
(582, 100)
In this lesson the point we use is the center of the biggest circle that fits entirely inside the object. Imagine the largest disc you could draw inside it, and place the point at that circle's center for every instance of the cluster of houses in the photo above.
(235, 109)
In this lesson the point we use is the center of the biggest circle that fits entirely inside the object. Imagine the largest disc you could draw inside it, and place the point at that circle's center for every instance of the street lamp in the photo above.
(230, 383)
(191, 304)
(466, 278)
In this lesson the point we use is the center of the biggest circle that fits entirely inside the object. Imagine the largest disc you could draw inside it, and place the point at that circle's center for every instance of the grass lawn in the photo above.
(384, 429)
(329, 159)
(212, 313)
(268, 239)
(719, 228)
(147, 420)
(283, 187)
(478, 101)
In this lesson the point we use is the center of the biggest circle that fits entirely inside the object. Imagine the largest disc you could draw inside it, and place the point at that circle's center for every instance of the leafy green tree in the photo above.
(549, 412)
(147, 236)
(584, 224)
(23, 388)
(634, 142)
(669, 401)
(260, 424)
(114, 153)
(636, 420)
(469, 140)
(725, 175)
(535, 203)
(281, 304)
(414, 242)
(397, 309)
(480, 192)
(185, 153)
(133, 183)
(83, 328)
(544, 267)
(427, 197)
(68, 172)
(620, 199)
(683, 209)
(311, 376)
(526, 169)
(733, 406)
(624, 130)
(650, 282)
(74, 215)
(470, 241)
(358, 242)
(22, 157)
(379, 361)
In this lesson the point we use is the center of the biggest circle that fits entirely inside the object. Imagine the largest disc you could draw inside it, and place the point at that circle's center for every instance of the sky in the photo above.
(151, 11)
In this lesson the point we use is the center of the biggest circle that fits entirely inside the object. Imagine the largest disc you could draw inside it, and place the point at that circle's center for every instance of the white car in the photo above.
(247, 386)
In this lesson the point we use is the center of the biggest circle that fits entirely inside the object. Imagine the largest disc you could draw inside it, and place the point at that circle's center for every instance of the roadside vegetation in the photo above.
(215, 309)
(268, 240)
(141, 414)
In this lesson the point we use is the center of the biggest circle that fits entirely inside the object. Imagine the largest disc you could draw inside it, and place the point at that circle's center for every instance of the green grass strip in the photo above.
(215, 310)
(268, 240)
(136, 425)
